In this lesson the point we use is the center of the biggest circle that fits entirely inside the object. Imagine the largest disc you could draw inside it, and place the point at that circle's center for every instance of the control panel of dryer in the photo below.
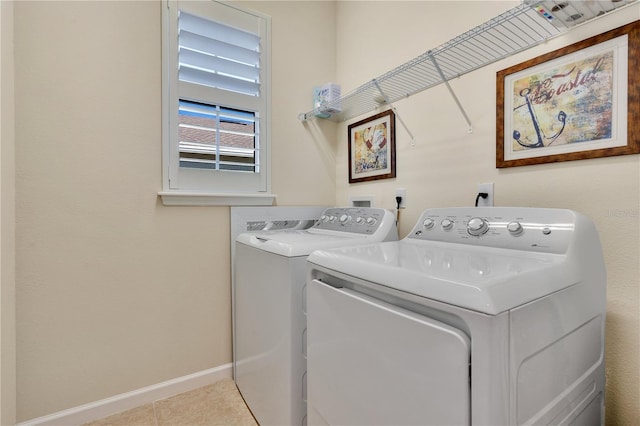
(360, 220)
(518, 228)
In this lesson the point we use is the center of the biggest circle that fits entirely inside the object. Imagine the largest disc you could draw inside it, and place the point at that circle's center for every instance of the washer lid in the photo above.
(488, 280)
(293, 243)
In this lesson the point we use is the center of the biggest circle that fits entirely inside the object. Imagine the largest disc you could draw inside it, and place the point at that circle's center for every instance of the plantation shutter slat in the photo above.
(205, 78)
(217, 31)
(228, 51)
(209, 62)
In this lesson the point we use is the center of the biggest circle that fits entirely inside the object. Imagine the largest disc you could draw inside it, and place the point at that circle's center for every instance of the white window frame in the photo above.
(187, 186)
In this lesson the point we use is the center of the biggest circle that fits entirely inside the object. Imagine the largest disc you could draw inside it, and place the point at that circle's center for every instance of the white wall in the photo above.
(303, 54)
(447, 163)
(115, 291)
(7, 221)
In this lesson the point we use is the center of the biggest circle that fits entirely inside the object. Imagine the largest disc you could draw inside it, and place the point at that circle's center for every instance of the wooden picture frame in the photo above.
(581, 101)
(372, 148)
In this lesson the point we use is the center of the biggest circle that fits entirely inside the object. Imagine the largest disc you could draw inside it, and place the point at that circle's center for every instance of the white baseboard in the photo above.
(126, 401)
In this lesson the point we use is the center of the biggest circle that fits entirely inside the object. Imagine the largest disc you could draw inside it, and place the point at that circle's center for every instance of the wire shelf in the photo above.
(518, 29)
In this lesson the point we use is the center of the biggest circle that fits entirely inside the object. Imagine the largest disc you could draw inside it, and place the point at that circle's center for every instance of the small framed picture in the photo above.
(372, 148)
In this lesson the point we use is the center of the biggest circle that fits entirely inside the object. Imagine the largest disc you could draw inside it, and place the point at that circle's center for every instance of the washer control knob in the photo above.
(371, 221)
(428, 223)
(345, 218)
(515, 228)
(359, 220)
(477, 226)
(324, 218)
(447, 224)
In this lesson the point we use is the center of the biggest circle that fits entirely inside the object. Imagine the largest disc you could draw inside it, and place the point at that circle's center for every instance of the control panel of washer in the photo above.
(360, 220)
(520, 228)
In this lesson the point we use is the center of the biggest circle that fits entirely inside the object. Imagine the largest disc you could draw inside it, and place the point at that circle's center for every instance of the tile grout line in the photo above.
(155, 413)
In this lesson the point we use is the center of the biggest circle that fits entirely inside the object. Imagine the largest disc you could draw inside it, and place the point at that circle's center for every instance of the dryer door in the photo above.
(372, 363)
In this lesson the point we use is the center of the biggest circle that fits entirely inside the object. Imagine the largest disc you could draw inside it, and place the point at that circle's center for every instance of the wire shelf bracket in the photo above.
(455, 98)
(395, 111)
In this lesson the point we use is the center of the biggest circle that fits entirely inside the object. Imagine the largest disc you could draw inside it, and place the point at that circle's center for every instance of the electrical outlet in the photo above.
(488, 188)
(402, 192)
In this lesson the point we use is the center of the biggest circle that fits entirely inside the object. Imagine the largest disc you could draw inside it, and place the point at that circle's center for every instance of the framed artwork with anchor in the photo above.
(578, 102)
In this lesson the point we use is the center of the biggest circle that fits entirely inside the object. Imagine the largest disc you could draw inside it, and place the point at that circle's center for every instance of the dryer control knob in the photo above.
(345, 218)
(447, 224)
(514, 228)
(477, 226)
(428, 223)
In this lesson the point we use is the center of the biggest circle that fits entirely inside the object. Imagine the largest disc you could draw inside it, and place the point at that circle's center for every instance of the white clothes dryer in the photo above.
(270, 313)
(480, 316)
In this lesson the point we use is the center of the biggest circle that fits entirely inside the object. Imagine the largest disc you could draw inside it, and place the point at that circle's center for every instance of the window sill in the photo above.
(171, 198)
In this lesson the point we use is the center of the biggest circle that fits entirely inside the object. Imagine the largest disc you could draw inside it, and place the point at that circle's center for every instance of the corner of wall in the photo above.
(7, 220)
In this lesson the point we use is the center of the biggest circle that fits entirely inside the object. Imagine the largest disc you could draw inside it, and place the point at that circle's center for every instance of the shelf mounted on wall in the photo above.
(518, 29)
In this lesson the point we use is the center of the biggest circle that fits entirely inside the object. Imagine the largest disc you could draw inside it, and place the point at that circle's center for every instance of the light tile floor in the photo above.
(219, 404)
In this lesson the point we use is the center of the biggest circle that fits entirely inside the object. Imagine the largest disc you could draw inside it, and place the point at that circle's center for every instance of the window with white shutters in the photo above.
(216, 99)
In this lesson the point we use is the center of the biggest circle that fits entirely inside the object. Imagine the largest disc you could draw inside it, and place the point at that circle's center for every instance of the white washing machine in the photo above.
(269, 312)
(481, 316)
(266, 218)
